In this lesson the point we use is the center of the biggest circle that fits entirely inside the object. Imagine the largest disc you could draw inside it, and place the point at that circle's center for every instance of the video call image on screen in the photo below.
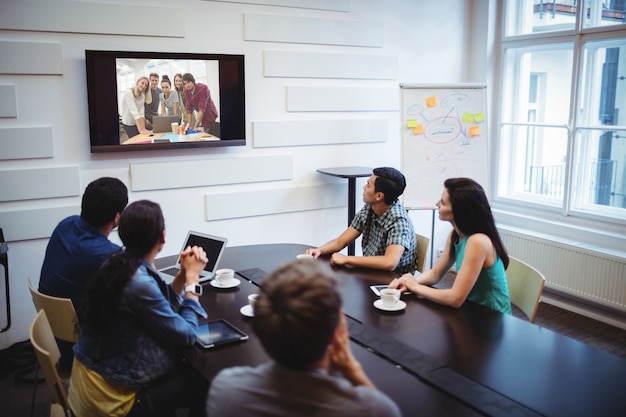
(112, 75)
(129, 71)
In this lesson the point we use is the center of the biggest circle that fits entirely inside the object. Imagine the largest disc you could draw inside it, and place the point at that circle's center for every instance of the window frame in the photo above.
(578, 37)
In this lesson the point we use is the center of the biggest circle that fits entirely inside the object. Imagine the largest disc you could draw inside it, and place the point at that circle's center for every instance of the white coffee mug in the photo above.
(389, 296)
(224, 276)
(252, 299)
(174, 127)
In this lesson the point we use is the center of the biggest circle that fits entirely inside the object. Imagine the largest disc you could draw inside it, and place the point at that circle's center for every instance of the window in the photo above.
(562, 120)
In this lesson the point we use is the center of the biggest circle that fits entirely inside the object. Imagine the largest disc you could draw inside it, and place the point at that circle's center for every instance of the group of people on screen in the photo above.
(186, 98)
(135, 329)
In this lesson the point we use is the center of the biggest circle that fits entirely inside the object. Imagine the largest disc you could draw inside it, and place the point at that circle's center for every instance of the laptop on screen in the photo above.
(212, 245)
(162, 124)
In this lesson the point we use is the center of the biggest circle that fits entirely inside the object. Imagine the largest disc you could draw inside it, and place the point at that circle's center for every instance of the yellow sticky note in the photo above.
(467, 117)
(411, 123)
(418, 129)
(431, 101)
(474, 131)
(479, 117)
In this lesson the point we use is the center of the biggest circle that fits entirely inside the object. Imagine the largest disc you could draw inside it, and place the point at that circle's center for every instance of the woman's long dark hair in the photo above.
(140, 229)
(472, 213)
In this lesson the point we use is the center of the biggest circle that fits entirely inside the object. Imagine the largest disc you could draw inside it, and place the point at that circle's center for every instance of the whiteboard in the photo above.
(444, 135)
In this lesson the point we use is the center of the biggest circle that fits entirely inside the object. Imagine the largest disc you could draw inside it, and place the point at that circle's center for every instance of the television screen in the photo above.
(164, 100)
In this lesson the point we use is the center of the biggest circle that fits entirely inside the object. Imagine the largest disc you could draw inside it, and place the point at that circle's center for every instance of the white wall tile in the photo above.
(8, 101)
(333, 98)
(26, 142)
(33, 224)
(318, 132)
(92, 17)
(273, 201)
(297, 29)
(329, 65)
(211, 171)
(38, 183)
(31, 57)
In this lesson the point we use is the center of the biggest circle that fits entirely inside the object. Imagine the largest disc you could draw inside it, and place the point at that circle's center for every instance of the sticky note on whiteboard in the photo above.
(431, 101)
(418, 129)
(411, 123)
(474, 131)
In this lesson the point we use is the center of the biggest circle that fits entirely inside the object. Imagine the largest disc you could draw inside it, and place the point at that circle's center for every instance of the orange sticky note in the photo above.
(431, 101)
(418, 129)
(474, 131)
(411, 123)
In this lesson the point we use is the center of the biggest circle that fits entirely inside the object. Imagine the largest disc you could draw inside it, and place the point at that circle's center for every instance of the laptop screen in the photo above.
(212, 245)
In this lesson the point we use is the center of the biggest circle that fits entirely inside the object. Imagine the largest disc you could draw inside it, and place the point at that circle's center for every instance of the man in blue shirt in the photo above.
(388, 237)
(79, 245)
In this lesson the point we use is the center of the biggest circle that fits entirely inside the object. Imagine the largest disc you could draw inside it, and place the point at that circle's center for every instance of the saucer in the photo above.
(400, 305)
(216, 284)
(246, 310)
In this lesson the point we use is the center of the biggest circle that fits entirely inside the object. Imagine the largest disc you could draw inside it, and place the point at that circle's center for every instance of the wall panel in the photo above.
(38, 183)
(91, 17)
(268, 202)
(33, 224)
(30, 57)
(327, 98)
(8, 101)
(296, 29)
(319, 132)
(26, 142)
(211, 171)
(329, 65)
(332, 5)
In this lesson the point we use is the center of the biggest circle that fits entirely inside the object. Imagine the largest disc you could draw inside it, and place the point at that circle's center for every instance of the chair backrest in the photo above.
(61, 313)
(48, 355)
(423, 243)
(525, 286)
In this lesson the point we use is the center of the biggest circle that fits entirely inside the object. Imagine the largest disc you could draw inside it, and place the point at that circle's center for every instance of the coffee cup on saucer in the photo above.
(389, 297)
(225, 276)
(248, 309)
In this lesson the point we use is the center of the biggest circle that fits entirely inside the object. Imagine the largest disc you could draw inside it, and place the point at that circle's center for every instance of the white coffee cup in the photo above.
(304, 256)
(224, 276)
(252, 299)
(389, 296)
(174, 127)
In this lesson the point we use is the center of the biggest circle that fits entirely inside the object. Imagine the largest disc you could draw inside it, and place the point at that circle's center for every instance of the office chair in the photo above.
(63, 322)
(48, 355)
(525, 287)
(423, 243)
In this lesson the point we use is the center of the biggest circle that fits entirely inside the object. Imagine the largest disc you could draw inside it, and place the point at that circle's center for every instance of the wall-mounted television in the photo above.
(111, 74)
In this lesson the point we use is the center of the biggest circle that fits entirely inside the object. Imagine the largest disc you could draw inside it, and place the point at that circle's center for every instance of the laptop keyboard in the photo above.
(171, 271)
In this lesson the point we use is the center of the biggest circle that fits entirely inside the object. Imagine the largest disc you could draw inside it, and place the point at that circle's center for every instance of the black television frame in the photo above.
(103, 109)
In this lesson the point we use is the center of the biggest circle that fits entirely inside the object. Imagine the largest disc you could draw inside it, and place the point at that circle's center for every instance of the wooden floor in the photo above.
(16, 391)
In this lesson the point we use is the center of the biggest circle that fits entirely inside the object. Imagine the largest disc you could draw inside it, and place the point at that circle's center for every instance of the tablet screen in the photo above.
(218, 332)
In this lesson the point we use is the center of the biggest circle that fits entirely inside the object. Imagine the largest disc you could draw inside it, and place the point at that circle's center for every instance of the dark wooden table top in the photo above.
(452, 361)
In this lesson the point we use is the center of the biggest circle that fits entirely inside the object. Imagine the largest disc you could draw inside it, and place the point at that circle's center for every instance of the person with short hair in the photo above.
(300, 322)
(474, 245)
(135, 329)
(388, 241)
(79, 245)
(198, 97)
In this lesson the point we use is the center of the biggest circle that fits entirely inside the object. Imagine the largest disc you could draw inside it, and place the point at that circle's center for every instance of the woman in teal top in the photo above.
(474, 245)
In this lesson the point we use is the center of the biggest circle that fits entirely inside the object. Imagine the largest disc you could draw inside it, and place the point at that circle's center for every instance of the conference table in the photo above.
(433, 360)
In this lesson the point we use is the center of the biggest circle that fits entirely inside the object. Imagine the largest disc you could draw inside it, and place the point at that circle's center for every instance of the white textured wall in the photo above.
(44, 126)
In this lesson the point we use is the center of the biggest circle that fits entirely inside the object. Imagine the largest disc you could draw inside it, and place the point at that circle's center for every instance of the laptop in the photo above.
(162, 124)
(212, 245)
